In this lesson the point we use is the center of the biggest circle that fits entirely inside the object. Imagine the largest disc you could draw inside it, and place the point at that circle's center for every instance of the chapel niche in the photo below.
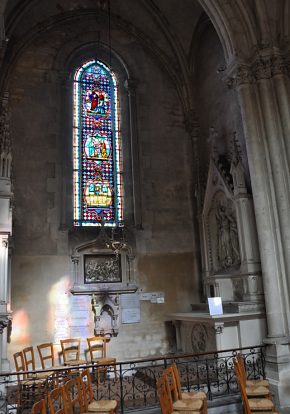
(230, 252)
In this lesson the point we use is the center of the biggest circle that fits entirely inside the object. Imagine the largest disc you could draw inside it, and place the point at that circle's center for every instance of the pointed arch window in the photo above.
(97, 161)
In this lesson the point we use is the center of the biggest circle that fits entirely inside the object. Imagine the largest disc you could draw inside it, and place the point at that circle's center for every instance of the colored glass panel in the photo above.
(96, 147)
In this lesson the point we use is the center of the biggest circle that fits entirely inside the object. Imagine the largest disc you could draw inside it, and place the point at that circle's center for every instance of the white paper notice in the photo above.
(215, 306)
(131, 315)
(130, 304)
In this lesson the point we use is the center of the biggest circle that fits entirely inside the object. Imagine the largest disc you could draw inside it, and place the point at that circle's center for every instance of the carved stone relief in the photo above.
(199, 338)
(100, 268)
(223, 234)
(228, 253)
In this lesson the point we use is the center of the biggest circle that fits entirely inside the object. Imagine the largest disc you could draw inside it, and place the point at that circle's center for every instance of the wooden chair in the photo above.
(164, 395)
(39, 407)
(255, 405)
(91, 405)
(98, 355)
(74, 395)
(183, 395)
(29, 359)
(240, 360)
(29, 390)
(46, 355)
(196, 404)
(19, 363)
(57, 402)
(251, 390)
(71, 352)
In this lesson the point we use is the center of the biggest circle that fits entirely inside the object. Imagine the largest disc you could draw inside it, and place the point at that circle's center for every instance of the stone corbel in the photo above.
(219, 327)
(5, 319)
(110, 304)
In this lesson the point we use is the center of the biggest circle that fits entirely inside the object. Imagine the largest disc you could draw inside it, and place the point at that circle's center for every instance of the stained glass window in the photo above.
(97, 160)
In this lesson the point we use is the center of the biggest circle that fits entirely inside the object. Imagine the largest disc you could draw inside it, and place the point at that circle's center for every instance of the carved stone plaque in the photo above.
(199, 338)
(102, 268)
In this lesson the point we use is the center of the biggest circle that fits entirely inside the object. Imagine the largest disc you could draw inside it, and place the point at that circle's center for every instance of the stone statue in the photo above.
(227, 238)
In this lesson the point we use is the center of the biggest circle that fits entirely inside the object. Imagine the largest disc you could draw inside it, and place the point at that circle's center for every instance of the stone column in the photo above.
(177, 325)
(248, 241)
(5, 226)
(265, 203)
(278, 167)
(193, 130)
(264, 99)
(75, 261)
(131, 86)
(219, 328)
(3, 272)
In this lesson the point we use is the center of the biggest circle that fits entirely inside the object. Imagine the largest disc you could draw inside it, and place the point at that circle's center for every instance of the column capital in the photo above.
(264, 64)
(75, 259)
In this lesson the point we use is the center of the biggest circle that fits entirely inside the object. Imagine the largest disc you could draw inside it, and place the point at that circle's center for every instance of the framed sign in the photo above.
(215, 306)
(102, 268)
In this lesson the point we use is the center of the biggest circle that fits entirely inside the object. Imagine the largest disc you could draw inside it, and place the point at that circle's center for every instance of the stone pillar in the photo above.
(75, 260)
(177, 325)
(248, 241)
(219, 328)
(5, 313)
(5, 226)
(131, 86)
(262, 89)
(193, 130)
(264, 201)
(3, 272)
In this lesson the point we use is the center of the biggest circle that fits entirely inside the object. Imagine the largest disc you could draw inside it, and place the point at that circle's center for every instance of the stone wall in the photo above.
(166, 258)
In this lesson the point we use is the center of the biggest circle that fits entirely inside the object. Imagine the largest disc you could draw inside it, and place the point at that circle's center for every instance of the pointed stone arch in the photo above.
(234, 25)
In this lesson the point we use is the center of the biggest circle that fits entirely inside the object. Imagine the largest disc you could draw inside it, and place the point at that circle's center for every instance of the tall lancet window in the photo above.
(97, 163)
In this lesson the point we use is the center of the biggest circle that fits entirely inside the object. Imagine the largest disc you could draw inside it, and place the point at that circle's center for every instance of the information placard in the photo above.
(215, 306)
(130, 305)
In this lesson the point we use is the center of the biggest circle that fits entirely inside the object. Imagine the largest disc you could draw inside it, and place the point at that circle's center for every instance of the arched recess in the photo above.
(70, 57)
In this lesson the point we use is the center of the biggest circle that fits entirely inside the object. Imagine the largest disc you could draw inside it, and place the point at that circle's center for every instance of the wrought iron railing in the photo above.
(135, 384)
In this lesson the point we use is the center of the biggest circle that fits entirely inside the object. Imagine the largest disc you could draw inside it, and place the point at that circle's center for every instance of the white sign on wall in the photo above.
(130, 308)
(153, 297)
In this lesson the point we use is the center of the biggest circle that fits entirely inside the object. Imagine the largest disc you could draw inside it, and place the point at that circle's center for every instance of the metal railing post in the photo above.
(121, 390)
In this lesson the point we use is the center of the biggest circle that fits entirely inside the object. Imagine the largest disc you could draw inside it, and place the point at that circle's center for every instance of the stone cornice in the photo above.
(265, 64)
